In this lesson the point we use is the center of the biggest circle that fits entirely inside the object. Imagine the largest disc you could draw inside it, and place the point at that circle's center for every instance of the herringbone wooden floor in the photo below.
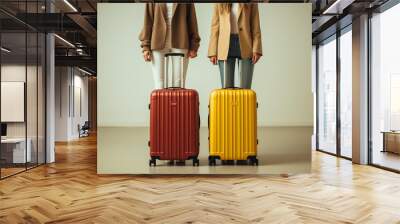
(69, 191)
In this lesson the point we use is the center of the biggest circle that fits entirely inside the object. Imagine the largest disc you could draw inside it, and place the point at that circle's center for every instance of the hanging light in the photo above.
(70, 5)
(84, 71)
(65, 41)
(5, 50)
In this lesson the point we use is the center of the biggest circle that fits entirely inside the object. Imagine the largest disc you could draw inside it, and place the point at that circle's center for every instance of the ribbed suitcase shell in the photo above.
(174, 124)
(233, 124)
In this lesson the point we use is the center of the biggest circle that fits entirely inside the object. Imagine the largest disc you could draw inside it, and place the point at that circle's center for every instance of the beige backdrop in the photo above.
(282, 82)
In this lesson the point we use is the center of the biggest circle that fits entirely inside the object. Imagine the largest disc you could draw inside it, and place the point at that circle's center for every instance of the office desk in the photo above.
(13, 150)
(391, 141)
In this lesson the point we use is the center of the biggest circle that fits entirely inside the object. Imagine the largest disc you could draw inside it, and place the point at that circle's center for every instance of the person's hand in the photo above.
(255, 58)
(147, 55)
(192, 54)
(213, 60)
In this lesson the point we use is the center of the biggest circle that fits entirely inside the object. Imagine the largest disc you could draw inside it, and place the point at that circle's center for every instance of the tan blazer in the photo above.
(249, 31)
(184, 31)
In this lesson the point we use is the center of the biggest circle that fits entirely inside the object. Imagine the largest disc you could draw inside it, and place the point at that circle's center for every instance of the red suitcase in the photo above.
(174, 123)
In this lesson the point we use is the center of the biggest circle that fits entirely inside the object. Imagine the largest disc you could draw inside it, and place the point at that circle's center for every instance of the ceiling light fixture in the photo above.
(5, 50)
(84, 71)
(70, 5)
(65, 41)
(333, 6)
(80, 51)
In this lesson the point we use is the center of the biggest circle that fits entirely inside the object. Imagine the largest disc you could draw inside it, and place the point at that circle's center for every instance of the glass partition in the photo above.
(23, 89)
(14, 153)
(32, 95)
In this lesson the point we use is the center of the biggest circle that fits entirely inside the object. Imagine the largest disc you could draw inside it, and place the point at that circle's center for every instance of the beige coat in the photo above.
(249, 31)
(185, 33)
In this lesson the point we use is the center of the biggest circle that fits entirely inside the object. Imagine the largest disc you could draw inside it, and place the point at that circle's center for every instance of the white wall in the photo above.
(68, 82)
(82, 83)
(282, 77)
(62, 80)
(13, 101)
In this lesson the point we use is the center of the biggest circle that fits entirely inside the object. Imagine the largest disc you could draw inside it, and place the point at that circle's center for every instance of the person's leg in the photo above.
(157, 66)
(246, 73)
(230, 72)
(233, 53)
(176, 68)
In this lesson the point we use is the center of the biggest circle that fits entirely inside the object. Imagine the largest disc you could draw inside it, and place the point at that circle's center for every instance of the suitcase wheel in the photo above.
(241, 162)
(152, 162)
(212, 161)
(196, 162)
(180, 163)
(256, 162)
(253, 161)
(228, 162)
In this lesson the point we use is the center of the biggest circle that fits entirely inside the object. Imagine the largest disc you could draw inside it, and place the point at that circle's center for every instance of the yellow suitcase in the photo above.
(233, 125)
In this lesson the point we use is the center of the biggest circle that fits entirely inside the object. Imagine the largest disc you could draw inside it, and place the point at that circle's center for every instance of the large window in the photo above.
(385, 89)
(334, 100)
(346, 93)
(327, 96)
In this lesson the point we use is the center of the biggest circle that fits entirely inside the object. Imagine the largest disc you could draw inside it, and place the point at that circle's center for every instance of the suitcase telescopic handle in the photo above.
(225, 72)
(167, 56)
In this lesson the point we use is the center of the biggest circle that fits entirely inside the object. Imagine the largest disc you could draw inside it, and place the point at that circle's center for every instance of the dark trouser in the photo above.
(246, 67)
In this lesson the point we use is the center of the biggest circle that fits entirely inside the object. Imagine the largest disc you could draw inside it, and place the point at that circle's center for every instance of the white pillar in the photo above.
(360, 90)
(50, 94)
